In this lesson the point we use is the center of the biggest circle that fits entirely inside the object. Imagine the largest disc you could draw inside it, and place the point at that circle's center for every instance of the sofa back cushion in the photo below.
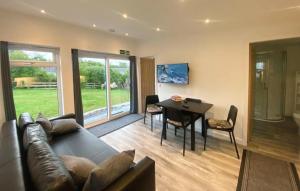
(24, 120)
(46, 169)
(33, 133)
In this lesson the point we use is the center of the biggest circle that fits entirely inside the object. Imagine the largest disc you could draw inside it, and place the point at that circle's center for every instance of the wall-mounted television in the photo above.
(173, 73)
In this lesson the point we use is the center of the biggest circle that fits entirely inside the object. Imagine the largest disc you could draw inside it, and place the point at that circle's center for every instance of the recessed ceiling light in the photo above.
(125, 16)
(157, 29)
(43, 11)
(94, 25)
(126, 34)
(207, 21)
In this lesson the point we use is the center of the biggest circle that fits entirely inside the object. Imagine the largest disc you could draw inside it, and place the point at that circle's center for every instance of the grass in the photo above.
(46, 101)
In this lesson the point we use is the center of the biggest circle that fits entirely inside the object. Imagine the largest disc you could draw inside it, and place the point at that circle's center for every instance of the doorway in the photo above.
(105, 87)
(273, 99)
(147, 78)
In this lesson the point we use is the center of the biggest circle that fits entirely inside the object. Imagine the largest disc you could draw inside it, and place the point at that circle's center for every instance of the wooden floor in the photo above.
(217, 168)
(277, 139)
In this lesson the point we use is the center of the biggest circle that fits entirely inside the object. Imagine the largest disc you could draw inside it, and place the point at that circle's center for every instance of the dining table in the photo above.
(190, 108)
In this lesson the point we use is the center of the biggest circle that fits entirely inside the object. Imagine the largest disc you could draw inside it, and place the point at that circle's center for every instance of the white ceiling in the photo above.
(172, 16)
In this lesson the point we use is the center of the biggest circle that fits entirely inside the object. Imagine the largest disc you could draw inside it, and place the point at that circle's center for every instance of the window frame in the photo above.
(55, 63)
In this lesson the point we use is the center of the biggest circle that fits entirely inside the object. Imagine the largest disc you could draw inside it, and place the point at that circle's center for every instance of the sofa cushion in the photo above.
(24, 120)
(109, 171)
(33, 132)
(64, 126)
(45, 123)
(78, 167)
(82, 143)
(46, 169)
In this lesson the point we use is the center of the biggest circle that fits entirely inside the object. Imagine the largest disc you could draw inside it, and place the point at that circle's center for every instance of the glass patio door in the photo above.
(119, 86)
(93, 89)
(105, 87)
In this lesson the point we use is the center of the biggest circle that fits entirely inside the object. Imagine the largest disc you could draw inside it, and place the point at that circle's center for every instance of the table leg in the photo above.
(164, 124)
(193, 134)
(203, 125)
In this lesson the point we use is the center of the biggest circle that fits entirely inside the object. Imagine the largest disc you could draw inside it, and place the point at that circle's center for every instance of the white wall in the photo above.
(219, 61)
(41, 31)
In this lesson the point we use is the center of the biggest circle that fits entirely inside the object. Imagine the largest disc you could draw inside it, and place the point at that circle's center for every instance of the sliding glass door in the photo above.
(119, 86)
(93, 89)
(104, 83)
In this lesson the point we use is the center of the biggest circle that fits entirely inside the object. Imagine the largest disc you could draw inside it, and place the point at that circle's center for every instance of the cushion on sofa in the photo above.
(33, 132)
(45, 123)
(78, 167)
(108, 171)
(46, 169)
(64, 126)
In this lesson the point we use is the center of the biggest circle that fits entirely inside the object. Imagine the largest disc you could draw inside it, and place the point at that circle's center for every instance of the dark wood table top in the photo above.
(193, 107)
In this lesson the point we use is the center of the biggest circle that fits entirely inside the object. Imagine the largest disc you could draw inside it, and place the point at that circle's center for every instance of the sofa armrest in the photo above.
(66, 116)
(140, 177)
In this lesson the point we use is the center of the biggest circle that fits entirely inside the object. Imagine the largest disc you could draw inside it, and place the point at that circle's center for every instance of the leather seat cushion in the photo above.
(82, 144)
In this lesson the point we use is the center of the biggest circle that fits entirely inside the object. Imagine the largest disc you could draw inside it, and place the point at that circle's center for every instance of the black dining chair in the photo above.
(151, 108)
(179, 120)
(193, 100)
(224, 125)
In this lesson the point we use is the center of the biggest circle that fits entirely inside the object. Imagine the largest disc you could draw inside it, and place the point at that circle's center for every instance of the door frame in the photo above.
(106, 57)
(250, 93)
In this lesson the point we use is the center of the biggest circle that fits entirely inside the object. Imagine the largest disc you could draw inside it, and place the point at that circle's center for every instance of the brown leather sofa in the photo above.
(14, 175)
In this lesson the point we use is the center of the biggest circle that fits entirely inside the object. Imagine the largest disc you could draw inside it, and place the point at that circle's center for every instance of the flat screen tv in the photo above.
(173, 73)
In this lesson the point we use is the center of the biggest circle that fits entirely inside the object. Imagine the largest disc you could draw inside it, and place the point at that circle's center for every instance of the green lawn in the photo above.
(45, 100)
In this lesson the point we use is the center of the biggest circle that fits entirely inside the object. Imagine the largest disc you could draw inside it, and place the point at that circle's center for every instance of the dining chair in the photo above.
(179, 120)
(151, 108)
(224, 125)
(193, 100)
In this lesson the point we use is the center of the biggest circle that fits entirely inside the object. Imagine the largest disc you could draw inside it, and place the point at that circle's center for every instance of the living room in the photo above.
(214, 39)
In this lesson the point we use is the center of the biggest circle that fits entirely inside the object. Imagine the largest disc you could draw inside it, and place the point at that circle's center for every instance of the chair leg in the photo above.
(205, 137)
(145, 118)
(237, 152)
(151, 122)
(163, 132)
(230, 136)
(184, 141)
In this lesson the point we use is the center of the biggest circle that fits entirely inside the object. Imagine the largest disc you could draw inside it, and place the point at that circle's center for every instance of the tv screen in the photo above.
(173, 73)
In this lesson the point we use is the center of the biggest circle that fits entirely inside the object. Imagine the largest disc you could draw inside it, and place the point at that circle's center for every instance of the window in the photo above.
(35, 80)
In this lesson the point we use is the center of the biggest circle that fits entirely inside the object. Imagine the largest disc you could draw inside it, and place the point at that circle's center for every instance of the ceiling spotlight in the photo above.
(94, 25)
(157, 29)
(125, 16)
(126, 34)
(207, 21)
(43, 11)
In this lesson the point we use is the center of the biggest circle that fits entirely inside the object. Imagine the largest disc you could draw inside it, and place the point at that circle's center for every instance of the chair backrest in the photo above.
(174, 114)
(151, 99)
(232, 114)
(193, 100)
